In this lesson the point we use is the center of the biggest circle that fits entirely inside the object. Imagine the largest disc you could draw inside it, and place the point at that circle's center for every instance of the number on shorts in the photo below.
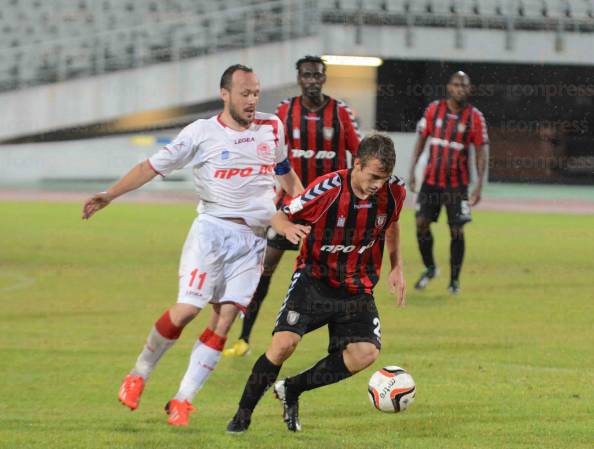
(201, 278)
(377, 331)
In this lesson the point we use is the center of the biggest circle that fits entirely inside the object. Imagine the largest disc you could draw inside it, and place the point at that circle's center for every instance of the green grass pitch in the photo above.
(506, 364)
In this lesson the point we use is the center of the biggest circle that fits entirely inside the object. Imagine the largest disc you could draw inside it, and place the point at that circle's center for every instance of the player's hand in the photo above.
(398, 285)
(295, 232)
(412, 182)
(95, 203)
(475, 196)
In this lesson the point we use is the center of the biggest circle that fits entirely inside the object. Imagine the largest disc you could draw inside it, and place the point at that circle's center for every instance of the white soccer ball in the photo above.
(391, 389)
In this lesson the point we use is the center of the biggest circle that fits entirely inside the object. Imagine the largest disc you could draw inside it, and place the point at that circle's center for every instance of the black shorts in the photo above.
(311, 304)
(431, 198)
(278, 241)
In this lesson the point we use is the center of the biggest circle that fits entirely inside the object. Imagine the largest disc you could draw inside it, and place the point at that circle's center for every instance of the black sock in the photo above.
(327, 371)
(263, 375)
(425, 241)
(252, 311)
(456, 256)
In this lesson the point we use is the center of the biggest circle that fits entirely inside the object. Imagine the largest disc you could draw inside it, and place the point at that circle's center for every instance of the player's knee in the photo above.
(457, 232)
(268, 269)
(361, 355)
(283, 345)
(181, 314)
(422, 225)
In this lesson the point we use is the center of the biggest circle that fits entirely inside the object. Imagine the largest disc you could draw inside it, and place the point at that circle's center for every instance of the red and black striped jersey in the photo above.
(450, 134)
(317, 142)
(346, 244)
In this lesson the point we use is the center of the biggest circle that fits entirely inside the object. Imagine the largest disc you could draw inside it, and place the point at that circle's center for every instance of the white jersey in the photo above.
(233, 170)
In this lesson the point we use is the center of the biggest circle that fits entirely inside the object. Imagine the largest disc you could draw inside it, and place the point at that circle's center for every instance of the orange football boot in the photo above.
(179, 412)
(130, 391)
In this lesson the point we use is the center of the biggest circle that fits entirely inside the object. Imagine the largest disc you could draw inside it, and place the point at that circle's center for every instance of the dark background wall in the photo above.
(541, 117)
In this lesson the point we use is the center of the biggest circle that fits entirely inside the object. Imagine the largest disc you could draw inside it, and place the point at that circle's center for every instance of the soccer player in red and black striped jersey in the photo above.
(344, 218)
(320, 131)
(450, 126)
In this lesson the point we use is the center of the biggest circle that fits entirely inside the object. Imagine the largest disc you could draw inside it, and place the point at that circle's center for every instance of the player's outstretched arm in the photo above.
(396, 276)
(292, 231)
(291, 183)
(135, 178)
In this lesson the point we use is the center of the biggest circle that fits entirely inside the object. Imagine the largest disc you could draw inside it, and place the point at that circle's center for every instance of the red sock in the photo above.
(216, 342)
(205, 336)
(166, 328)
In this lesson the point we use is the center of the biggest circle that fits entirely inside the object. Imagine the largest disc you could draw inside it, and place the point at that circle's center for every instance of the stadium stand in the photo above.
(44, 42)
(567, 15)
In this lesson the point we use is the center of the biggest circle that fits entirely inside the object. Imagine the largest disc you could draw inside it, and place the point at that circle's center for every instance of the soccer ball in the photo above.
(391, 389)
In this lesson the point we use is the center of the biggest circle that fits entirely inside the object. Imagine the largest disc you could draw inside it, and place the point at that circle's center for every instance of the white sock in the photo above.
(153, 350)
(203, 361)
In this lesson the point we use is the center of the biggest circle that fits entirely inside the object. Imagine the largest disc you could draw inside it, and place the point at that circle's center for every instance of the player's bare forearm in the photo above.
(419, 146)
(291, 183)
(135, 178)
(393, 245)
(292, 231)
(396, 277)
(481, 163)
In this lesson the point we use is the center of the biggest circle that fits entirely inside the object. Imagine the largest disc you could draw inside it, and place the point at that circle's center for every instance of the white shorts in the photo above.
(221, 262)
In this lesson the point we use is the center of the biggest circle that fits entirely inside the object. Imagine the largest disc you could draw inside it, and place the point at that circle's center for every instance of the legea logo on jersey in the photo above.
(346, 249)
(244, 140)
(308, 154)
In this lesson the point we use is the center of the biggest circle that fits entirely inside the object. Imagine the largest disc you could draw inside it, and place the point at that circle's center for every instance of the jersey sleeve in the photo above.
(425, 125)
(315, 200)
(177, 154)
(281, 144)
(398, 191)
(282, 111)
(479, 134)
(351, 129)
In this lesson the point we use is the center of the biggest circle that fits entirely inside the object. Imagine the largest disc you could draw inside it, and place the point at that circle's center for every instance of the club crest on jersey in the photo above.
(296, 133)
(225, 155)
(328, 133)
(341, 221)
(292, 317)
(380, 221)
(263, 151)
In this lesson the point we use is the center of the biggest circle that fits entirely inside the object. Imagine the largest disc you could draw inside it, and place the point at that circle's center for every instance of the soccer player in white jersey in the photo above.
(234, 157)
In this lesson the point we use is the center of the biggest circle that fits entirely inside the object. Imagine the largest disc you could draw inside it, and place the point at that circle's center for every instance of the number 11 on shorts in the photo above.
(201, 278)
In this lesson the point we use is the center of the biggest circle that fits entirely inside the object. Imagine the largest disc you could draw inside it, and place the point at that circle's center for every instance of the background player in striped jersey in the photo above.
(234, 156)
(450, 125)
(320, 131)
(344, 218)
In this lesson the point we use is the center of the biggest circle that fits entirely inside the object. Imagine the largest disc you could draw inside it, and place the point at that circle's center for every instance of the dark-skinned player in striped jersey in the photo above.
(320, 132)
(450, 126)
(343, 218)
